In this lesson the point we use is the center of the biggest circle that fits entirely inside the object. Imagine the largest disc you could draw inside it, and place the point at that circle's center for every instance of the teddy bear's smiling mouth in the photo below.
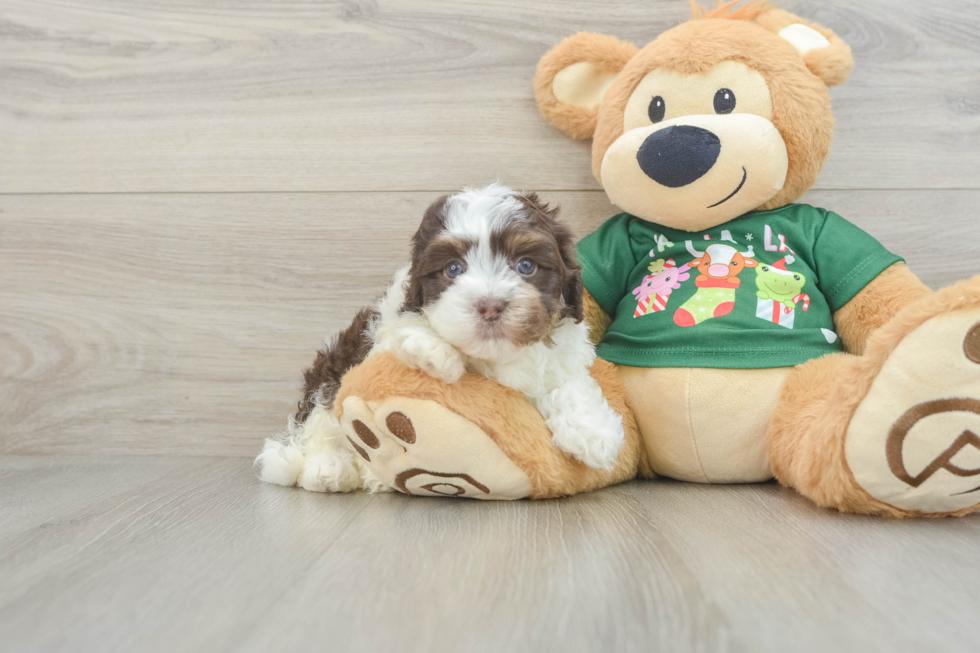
(745, 175)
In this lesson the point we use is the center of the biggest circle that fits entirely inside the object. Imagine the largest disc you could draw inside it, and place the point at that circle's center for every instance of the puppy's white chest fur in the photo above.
(539, 368)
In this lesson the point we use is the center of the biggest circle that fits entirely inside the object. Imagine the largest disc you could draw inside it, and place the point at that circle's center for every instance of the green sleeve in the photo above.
(847, 259)
(606, 257)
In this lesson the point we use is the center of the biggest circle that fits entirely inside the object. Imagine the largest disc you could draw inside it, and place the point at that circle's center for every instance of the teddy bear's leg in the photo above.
(895, 430)
(473, 438)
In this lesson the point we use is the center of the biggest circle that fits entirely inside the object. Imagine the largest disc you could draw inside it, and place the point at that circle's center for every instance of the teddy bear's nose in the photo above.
(678, 155)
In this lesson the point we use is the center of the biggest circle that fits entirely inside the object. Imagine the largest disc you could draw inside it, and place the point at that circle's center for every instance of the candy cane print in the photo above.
(806, 301)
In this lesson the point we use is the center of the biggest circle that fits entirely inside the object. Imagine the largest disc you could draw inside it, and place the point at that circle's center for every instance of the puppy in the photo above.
(493, 288)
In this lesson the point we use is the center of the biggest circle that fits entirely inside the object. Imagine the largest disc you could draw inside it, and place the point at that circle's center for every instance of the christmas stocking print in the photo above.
(718, 268)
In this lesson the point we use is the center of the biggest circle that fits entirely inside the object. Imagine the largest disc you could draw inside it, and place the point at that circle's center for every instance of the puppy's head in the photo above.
(494, 271)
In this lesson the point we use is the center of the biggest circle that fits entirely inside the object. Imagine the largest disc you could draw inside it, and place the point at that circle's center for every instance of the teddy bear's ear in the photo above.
(573, 76)
(823, 52)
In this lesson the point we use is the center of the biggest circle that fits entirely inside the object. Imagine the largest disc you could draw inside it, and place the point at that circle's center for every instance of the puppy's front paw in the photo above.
(597, 450)
(583, 425)
(431, 354)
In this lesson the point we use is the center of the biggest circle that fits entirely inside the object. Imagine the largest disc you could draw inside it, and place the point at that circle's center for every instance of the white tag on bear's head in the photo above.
(804, 38)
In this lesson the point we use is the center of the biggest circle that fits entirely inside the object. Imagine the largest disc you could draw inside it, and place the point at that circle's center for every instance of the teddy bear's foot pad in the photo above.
(914, 442)
(420, 447)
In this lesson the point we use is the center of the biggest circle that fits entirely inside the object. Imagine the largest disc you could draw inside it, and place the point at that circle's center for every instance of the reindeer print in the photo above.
(718, 268)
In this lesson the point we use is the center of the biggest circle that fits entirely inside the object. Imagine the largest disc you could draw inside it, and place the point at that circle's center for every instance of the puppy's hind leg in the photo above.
(329, 466)
(338, 355)
(311, 453)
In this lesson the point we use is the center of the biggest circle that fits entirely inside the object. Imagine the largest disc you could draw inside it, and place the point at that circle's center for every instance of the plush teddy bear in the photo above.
(741, 336)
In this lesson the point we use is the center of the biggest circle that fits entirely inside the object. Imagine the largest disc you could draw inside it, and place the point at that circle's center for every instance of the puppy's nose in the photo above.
(679, 155)
(490, 309)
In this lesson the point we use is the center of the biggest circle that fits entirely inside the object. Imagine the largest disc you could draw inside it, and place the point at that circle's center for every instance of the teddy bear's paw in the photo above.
(914, 441)
(420, 447)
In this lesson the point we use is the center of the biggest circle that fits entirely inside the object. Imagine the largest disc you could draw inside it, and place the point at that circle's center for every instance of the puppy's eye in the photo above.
(657, 109)
(455, 269)
(526, 266)
(724, 101)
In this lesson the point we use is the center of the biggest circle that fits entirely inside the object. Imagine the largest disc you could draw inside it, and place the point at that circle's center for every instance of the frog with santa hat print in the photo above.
(777, 283)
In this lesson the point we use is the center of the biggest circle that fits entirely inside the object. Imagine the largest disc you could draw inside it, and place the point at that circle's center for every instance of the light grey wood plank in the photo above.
(581, 574)
(104, 95)
(181, 323)
(204, 557)
(824, 581)
(183, 562)
(40, 491)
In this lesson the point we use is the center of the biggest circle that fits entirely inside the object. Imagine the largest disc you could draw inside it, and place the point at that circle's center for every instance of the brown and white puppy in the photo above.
(493, 271)
(493, 288)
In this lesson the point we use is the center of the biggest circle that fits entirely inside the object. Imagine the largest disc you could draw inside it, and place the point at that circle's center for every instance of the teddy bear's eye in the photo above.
(656, 109)
(724, 101)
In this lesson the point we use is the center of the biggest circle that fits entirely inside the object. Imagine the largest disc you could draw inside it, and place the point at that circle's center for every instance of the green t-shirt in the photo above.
(763, 297)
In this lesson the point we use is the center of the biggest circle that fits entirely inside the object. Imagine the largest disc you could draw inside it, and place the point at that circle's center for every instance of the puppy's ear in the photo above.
(414, 297)
(572, 295)
(823, 52)
(433, 222)
(574, 75)
(571, 282)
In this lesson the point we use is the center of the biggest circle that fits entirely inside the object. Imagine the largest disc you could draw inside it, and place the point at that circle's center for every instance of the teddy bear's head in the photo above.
(721, 115)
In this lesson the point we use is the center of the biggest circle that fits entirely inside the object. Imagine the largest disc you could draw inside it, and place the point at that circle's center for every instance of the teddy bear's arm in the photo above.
(597, 319)
(876, 304)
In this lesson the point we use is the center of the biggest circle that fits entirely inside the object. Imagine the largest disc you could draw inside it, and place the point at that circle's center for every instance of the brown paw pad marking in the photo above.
(401, 427)
(366, 434)
(441, 482)
(448, 489)
(971, 345)
(359, 450)
(901, 428)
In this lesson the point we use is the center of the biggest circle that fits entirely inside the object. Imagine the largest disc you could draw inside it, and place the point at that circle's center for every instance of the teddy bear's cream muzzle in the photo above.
(696, 172)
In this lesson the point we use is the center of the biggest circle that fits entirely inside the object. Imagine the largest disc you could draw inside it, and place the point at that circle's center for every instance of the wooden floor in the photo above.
(192, 194)
(179, 554)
